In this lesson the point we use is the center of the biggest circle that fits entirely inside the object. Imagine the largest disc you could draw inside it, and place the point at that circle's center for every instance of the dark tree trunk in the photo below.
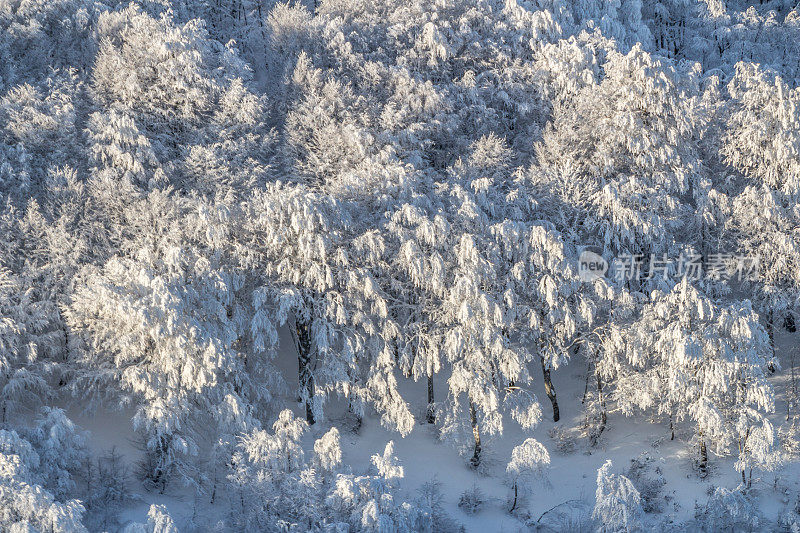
(514, 505)
(359, 418)
(793, 393)
(771, 332)
(602, 400)
(473, 418)
(156, 468)
(703, 459)
(305, 370)
(586, 385)
(430, 415)
(550, 390)
(788, 322)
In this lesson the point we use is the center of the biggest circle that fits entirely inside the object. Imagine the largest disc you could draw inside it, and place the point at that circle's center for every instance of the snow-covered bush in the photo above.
(272, 485)
(271, 475)
(371, 502)
(728, 510)
(789, 522)
(649, 481)
(472, 500)
(564, 439)
(158, 521)
(430, 514)
(618, 505)
(24, 501)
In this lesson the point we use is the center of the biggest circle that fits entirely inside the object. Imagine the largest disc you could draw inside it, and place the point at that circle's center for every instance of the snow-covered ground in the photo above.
(569, 479)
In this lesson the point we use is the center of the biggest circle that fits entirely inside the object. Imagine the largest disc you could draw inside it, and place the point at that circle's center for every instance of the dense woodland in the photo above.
(233, 218)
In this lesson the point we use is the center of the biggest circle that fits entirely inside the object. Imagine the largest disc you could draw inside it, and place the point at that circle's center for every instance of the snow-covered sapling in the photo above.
(618, 505)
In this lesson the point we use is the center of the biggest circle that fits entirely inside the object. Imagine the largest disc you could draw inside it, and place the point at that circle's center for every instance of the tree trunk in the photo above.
(514, 506)
(356, 413)
(788, 322)
(305, 370)
(430, 415)
(157, 468)
(549, 389)
(586, 385)
(793, 393)
(771, 332)
(601, 398)
(473, 418)
(703, 459)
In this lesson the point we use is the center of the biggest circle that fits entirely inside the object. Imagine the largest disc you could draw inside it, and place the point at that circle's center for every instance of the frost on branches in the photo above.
(215, 214)
(689, 359)
(618, 505)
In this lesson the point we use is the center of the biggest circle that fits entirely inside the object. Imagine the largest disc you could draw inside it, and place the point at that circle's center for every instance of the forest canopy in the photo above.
(237, 221)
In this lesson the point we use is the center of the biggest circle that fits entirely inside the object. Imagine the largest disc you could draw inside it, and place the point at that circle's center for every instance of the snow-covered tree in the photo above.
(618, 505)
(689, 358)
(527, 460)
(61, 448)
(315, 266)
(618, 158)
(23, 372)
(40, 37)
(728, 509)
(188, 97)
(25, 504)
(762, 141)
(40, 133)
(174, 332)
(158, 521)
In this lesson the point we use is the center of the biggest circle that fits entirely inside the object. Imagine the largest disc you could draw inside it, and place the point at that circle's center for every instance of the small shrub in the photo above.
(107, 491)
(563, 439)
(649, 481)
(431, 516)
(728, 510)
(472, 500)
(789, 521)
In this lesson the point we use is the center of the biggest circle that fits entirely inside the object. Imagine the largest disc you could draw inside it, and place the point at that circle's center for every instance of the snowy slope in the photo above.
(570, 477)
